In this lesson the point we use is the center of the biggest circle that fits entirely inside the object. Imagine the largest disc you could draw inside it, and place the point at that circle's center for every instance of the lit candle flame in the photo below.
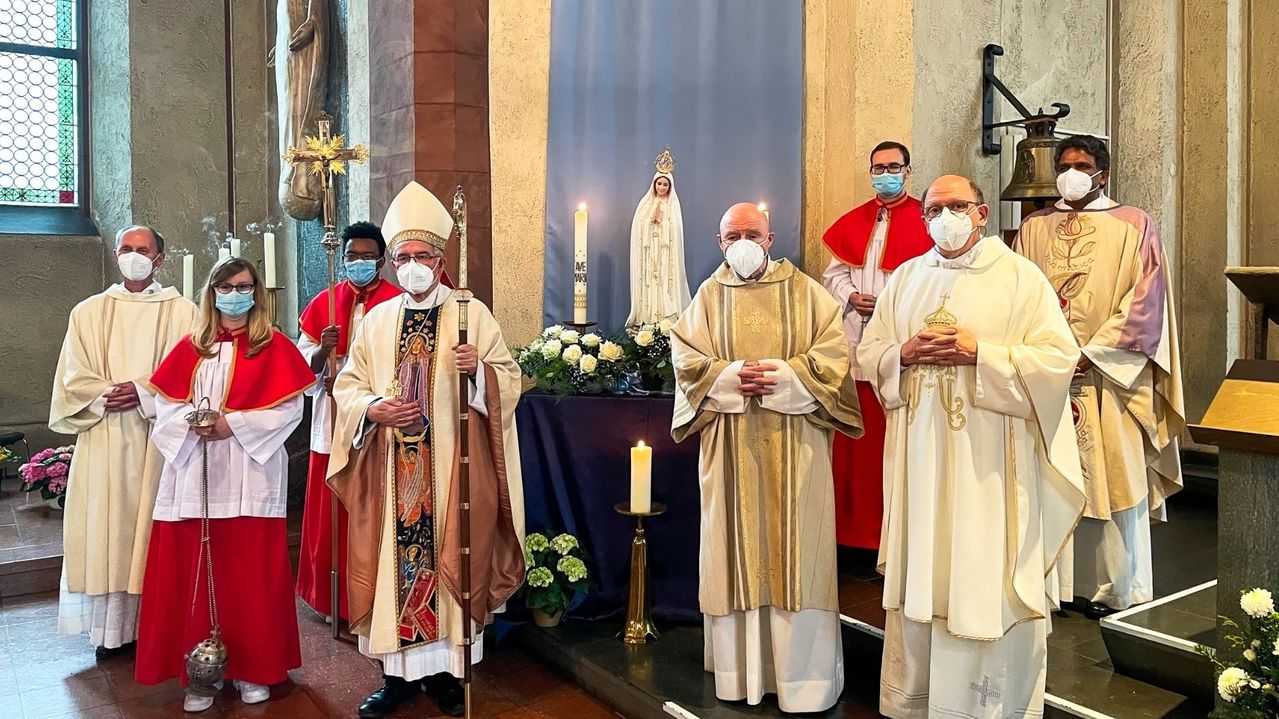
(641, 444)
(581, 206)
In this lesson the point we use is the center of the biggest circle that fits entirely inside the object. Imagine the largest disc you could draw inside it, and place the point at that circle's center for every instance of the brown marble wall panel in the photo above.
(429, 108)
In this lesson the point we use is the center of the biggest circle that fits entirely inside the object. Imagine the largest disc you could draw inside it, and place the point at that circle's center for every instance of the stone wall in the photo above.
(46, 277)
(1054, 52)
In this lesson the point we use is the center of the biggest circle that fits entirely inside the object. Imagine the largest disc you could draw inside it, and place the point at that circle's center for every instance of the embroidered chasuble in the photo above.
(982, 484)
(767, 532)
(116, 336)
(413, 484)
(403, 542)
(1108, 268)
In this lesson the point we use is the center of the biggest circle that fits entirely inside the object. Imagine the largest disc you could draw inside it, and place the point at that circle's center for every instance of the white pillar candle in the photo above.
(268, 257)
(641, 478)
(579, 264)
(188, 277)
(224, 253)
(235, 247)
(764, 209)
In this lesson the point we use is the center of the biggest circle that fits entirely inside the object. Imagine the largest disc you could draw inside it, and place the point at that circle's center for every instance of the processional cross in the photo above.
(327, 155)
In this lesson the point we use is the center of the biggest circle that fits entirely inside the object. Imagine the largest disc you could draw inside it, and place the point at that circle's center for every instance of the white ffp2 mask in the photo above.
(415, 277)
(950, 230)
(135, 267)
(745, 257)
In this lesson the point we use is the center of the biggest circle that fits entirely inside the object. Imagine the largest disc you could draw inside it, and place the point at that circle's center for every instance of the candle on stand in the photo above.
(641, 478)
(268, 257)
(188, 277)
(579, 264)
(224, 253)
(764, 209)
(235, 247)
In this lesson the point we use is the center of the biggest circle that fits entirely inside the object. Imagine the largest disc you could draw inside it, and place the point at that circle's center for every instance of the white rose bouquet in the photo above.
(1248, 685)
(566, 362)
(650, 345)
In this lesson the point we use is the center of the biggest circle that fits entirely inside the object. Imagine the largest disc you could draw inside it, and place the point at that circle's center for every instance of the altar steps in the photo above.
(665, 678)
(1156, 642)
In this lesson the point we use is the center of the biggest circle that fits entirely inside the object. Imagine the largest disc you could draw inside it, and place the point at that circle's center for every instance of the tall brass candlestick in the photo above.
(639, 624)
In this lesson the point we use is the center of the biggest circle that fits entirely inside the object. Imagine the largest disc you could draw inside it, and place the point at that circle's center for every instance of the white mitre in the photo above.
(416, 214)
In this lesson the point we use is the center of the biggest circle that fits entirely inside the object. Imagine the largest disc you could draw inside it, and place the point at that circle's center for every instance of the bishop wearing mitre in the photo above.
(762, 372)
(395, 461)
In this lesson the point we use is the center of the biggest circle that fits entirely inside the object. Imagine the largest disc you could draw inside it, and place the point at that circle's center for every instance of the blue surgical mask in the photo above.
(361, 272)
(234, 304)
(888, 184)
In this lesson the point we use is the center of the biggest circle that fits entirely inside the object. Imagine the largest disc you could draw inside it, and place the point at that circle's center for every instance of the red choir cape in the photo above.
(275, 374)
(346, 296)
(907, 236)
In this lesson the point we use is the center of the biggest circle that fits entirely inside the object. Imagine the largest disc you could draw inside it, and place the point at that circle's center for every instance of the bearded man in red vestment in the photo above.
(866, 245)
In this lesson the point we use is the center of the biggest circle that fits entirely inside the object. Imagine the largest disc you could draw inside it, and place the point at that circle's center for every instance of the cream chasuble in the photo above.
(983, 485)
(767, 556)
(373, 365)
(113, 337)
(1107, 266)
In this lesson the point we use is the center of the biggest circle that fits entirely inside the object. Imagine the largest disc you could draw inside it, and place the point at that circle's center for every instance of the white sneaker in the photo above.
(251, 693)
(193, 703)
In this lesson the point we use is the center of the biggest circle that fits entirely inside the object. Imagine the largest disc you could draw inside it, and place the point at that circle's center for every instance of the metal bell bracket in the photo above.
(989, 84)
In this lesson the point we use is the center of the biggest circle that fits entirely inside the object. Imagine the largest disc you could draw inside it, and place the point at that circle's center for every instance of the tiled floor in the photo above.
(28, 527)
(45, 675)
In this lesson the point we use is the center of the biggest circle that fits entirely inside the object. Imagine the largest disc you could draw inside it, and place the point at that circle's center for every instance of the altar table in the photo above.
(575, 458)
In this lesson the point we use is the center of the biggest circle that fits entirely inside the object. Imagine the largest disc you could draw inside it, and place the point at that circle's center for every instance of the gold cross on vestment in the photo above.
(755, 320)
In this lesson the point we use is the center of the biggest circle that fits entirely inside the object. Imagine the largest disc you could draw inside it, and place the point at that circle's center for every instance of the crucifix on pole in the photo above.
(327, 155)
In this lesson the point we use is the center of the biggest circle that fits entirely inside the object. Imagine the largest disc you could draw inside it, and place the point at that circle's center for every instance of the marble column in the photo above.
(429, 92)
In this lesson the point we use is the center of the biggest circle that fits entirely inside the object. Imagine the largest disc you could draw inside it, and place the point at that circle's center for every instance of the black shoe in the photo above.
(393, 692)
(448, 693)
(105, 653)
(1097, 610)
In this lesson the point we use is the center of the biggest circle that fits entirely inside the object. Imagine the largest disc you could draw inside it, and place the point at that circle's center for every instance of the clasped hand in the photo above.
(122, 397)
(754, 381)
(946, 346)
(395, 412)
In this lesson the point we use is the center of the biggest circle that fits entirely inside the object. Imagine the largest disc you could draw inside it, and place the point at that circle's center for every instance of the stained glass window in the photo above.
(40, 68)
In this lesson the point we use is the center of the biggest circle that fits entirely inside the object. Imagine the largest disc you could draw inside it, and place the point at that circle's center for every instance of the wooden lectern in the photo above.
(1243, 422)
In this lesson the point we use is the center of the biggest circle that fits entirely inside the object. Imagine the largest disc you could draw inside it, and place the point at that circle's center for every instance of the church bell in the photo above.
(1034, 173)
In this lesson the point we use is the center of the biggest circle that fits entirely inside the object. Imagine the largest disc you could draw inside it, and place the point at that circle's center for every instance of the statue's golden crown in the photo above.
(665, 162)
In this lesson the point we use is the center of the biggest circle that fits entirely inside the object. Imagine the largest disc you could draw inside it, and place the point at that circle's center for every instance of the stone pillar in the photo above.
(858, 90)
(430, 91)
(519, 76)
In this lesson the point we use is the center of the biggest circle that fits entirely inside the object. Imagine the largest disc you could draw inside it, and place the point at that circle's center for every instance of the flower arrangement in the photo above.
(650, 345)
(564, 361)
(47, 471)
(555, 574)
(7, 455)
(1249, 686)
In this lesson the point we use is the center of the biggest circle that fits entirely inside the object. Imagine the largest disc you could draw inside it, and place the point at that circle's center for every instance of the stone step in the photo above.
(1156, 642)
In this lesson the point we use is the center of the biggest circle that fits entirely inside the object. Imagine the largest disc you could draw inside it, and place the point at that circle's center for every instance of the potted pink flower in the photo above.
(47, 472)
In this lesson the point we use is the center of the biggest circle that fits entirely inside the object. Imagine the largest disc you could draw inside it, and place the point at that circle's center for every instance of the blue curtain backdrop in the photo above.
(720, 81)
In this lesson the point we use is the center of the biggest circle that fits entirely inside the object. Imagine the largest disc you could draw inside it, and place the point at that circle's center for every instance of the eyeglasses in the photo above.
(354, 256)
(962, 207)
(893, 167)
(422, 258)
(224, 288)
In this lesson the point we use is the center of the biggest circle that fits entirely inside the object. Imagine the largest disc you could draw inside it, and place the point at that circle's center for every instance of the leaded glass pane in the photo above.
(38, 130)
(46, 23)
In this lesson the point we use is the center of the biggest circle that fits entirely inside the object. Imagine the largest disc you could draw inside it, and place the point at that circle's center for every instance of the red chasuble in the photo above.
(346, 296)
(907, 236)
(275, 374)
